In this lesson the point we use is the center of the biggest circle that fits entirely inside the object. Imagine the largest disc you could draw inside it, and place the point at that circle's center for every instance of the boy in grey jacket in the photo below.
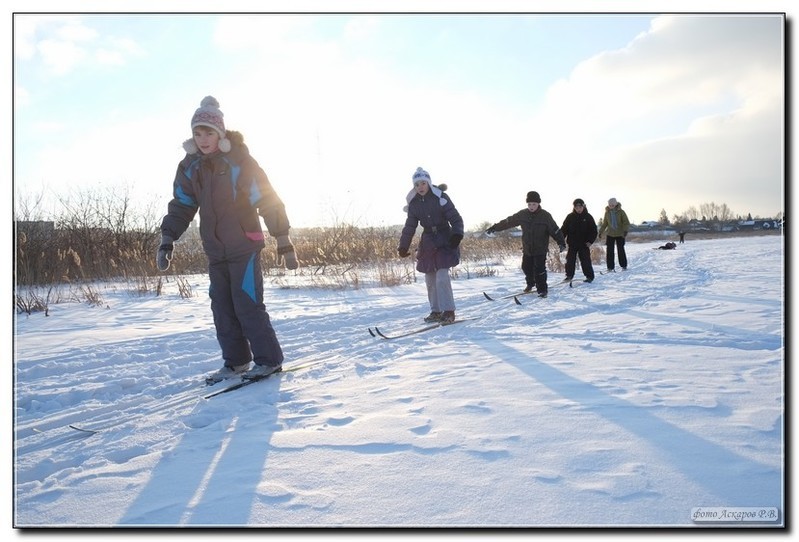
(537, 228)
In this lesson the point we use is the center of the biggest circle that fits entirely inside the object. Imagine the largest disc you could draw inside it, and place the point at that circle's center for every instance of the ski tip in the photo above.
(372, 333)
(83, 429)
(488, 297)
(516, 300)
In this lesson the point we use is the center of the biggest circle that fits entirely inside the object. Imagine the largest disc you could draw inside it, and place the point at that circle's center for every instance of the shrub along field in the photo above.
(65, 263)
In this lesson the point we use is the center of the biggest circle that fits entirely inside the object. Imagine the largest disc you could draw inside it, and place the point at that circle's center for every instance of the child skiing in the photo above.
(219, 179)
(537, 227)
(579, 228)
(438, 248)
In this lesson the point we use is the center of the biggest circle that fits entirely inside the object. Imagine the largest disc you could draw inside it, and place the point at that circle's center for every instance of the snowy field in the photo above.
(629, 402)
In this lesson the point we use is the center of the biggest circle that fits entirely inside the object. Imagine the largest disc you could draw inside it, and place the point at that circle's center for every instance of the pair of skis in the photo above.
(515, 297)
(177, 401)
(376, 332)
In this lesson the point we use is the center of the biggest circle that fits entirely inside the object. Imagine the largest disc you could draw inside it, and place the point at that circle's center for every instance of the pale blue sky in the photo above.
(661, 112)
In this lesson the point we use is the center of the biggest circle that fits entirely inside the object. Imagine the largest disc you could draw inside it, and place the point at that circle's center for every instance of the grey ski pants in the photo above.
(439, 291)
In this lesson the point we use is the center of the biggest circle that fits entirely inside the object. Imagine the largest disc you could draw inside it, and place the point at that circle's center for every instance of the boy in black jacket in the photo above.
(580, 230)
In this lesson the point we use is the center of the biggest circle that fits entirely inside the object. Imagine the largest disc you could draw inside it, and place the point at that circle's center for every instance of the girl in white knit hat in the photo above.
(439, 246)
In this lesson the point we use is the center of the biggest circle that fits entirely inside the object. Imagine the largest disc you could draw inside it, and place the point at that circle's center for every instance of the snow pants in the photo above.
(243, 328)
(535, 272)
(616, 242)
(584, 253)
(439, 291)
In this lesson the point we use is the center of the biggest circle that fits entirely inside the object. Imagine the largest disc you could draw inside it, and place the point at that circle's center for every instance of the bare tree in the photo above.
(720, 213)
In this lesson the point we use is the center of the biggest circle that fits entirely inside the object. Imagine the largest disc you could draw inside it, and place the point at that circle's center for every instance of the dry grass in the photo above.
(344, 256)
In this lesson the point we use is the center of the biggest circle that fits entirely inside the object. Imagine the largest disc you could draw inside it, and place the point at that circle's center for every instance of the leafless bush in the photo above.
(184, 288)
(91, 296)
(395, 274)
(142, 285)
(597, 254)
(98, 235)
(31, 302)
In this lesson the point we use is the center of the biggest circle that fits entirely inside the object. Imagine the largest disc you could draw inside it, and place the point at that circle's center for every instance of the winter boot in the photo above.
(226, 372)
(448, 317)
(261, 371)
(434, 316)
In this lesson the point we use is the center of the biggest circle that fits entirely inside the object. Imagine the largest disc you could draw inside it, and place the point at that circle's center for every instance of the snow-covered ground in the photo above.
(631, 401)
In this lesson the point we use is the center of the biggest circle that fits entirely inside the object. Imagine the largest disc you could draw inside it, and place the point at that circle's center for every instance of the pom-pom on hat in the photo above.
(421, 175)
(209, 114)
(533, 196)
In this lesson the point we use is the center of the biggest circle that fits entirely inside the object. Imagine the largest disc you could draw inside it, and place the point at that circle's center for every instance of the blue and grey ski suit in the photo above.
(231, 193)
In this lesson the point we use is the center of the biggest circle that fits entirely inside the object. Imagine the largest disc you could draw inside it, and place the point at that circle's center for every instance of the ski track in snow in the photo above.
(624, 402)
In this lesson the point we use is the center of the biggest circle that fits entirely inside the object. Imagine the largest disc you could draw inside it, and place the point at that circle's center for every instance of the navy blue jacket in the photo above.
(439, 223)
(231, 192)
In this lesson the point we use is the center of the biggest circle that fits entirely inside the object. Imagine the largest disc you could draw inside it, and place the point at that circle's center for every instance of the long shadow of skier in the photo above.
(210, 478)
(735, 479)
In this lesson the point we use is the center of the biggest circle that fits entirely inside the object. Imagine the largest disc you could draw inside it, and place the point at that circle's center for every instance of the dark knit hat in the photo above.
(578, 201)
(533, 196)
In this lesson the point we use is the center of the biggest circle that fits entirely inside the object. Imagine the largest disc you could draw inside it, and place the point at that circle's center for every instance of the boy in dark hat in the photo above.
(579, 228)
(537, 227)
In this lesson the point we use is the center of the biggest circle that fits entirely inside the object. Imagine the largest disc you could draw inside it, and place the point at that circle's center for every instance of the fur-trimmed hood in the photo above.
(436, 190)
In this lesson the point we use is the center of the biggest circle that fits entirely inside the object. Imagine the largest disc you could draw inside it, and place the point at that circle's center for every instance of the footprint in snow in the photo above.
(421, 429)
(338, 422)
